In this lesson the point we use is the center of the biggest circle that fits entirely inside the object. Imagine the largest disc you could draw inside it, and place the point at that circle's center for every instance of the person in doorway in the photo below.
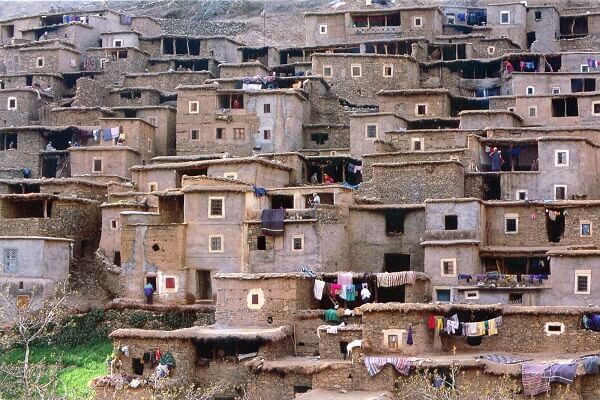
(236, 103)
(496, 158)
(316, 200)
(49, 147)
(314, 179)
(328, 179)
(149, 293)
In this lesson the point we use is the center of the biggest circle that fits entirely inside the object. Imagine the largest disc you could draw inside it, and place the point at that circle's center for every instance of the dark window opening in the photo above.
(538, 15)
(192, 65)
(574, 26)
(491, 188)
(583, 85)
(301, 388)
(474, 340)
(155, 247)
(266, 108)
(554, 328)
(515, 298)
(131, 94)
(344, 348)
(7, 32)
(29, 80)
(8, 141)
(451, 222)
(553, 63)
(442, 295)
(168, 46)
(511, 225)
(565, 107)
(194, 45)
(129, 113)
(220, 133)
(396, 262)
(21, 286)
(229, 101)
(204, 288)
(555, 225)
(282, 201)
(181, 46)
(261, 243)
(151, 280)
(394, 222)
(319, 138)
(117, 258)
(530, 39)
(26, 209)
(138, 366)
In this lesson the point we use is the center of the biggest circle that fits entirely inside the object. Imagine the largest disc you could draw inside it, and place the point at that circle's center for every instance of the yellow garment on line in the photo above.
(439, 323)
(492, 327)
(480, 328)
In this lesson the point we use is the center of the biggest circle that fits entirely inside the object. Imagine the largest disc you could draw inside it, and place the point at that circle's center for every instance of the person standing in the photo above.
(149, 293)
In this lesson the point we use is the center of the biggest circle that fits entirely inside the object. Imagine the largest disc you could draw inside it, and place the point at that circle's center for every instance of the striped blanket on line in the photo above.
(375, 364)
(534, 382)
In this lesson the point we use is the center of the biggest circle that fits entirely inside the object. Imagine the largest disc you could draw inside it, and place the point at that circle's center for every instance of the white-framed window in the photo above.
(149, 145)
(585, 228)
(504, 17)
(583, 281)
(323, 29)
(216, 207)
(417, 22)
(417, 144)
(521, 194)
(538, 15)
(152, 186)
(560, 192)
(10, 260)
(533, 112)
(97, 164)
(471, 294)
(491, 50)
(153, 121)
(230, 175)
(215, 243)
(451, 19)
(170, 284)
(530, 91)
(39, 62)
(194, 134)
(584, 68)
(327, 71)
(421, 109)
(298, 243)
(561, 158)
(11, 103)
(443, 294)
(371, 131)
(448, 267)
(194, 107)
(118, 43)
(388, 71)
(511, 223)
(356, 70)
(595, 107)
(112, 223)
(555, 90)
(554, 328)
(103, 62)
(393, 339)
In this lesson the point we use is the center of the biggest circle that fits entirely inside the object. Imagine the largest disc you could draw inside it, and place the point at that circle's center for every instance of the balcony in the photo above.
(450, 235)
(291, 214)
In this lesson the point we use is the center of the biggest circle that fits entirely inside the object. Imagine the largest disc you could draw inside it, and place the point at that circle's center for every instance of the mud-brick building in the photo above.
(23, 106)
(59, 59)
(237, 121)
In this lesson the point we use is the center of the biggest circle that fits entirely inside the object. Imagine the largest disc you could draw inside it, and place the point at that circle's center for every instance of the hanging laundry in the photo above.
(106, 135)
(452, 324)
(562, 373)
(318, 289)
(590, 364)
(345, 278)
(492, 328)
(431, 322)
(365, 293)
(114, 132)
(348, 293)
(409, 336)
(391, 279)
(334, 289)
(592, 63)
(126, 19)
(532, 376)
(352, 345)
(258, 191)
(331, 315)
(375, 364)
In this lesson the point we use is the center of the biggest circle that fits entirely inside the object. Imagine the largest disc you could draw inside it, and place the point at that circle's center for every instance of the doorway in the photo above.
(204, 290)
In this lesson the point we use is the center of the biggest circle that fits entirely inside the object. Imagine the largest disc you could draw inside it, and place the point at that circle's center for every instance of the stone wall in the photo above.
(166, 81)
(27, 153)
(90, 93)
(331, 346)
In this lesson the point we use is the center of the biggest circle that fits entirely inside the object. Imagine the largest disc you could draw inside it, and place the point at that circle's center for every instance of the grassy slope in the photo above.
(82, 363)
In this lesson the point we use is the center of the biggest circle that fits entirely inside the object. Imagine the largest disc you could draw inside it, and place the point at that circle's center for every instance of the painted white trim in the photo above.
(8, 107)
(475, 294)
(585, 222)
(301, 249)
(367, 137)
(595, 103)
(551, 333)
(209, 212)
(420, 19)
(323, 29)
(454, 266)
(562, 186)
(352, 74)
(417, 109)
(94, 170)
(261, 299)
(519, 191)
(566, 159)
(391, 67)
(210, 249)
(197, 107)
(330, 68)
(516, 218)
(503, 13)
(583, 272)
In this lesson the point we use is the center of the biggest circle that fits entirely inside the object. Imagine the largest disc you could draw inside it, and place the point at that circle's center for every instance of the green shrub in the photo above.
(138, 319)
(177, 320)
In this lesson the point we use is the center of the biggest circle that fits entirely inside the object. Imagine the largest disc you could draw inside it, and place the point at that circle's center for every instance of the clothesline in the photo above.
(452, 326)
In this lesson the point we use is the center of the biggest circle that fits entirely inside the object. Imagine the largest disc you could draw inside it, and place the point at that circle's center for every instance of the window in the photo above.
(319, 137)
(394, 221)
(39, 62)
(421, 109)
(555, 90)
(561, 158)
(113, 224)
(392, 341)
(585, 68)
(450, 222)
(471, 294)
(554, 328)
(327, 71)
(171, 283)
(583, 85)
(323, 29)
(515, 298)
(230, 101)
(491, 50)
(565, 107)
(417, 144)
(511, 223)
(448, 266)
(538, 15)
(530, 91)
(216, 207)
(388, 71)
(443, 295)
(239, 133)
(585, 228)
(583, 279)
(149, 145)
(118, 43)
(521, 194)
(298, 243)
(504, 17)
(220, 133)
(266, 108)
(215, 243)
(451, 19)
(417, 22)
(560, 192)
(12, 103)
(97, 165)
(194, 134)
(254, 298)
(10, 260)
(194, 107)
(356, 70)
(230, 175)
(261, 243)
(533, 112)
(267, 134)
(371, 131)
(8, 141)
(596, 108)
(152, 186)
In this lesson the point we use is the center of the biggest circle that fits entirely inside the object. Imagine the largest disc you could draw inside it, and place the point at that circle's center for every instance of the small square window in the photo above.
(10, 260)
(254, 298)
(491, 50)
(443, 295)
(533, 112)
(504, 17)
(220, 133)
(371, 131)
(97, 165)
(388, 71)
(323, 29)
(266, 108)
(511, 223)
(356, 70)
(555, 90)
(471, 295)
(451, 222)
(113, 224)
(582, 281)
(216, 207)
(521, 195)
(538, 15)
(118, 43)
(417, 144)
(194, 134)
(451, 19)
(267, 134)
(418, 22)
(169, 282)
(239, 133)
(585, 228)
(393, 341)
(12, 103)
(40, 62)
(194, 107)
(448, 267)
(230, 175)
(152, 187)
(421, 109)
(515, 298)
(261, 243)
(596, 108)
(561, 158)
(215, 243)
(327, 71)
(585, 68)
(298, 243)
(530, 91)
(560, 192)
